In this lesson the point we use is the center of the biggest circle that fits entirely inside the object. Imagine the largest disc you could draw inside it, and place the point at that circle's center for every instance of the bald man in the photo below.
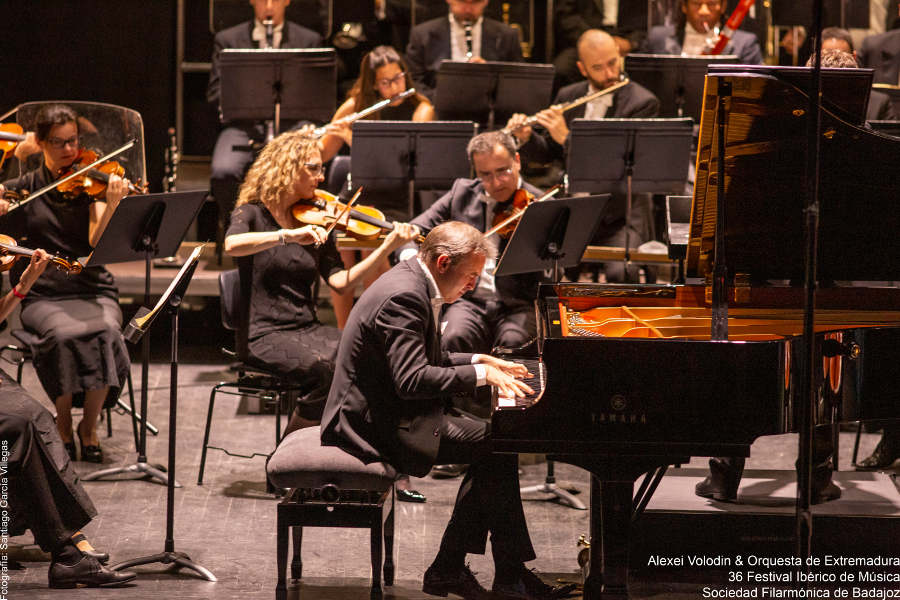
(599, 63)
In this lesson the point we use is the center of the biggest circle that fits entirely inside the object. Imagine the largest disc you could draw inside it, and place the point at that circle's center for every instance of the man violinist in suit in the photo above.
(388, 403)
(464, 35)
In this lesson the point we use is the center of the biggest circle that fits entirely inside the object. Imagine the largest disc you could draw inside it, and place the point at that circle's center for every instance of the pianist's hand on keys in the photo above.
(506, 376)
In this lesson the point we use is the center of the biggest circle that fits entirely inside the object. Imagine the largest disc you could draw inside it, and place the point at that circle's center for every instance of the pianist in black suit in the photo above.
(228, 165)
(599, 62)
(388, 398)
(445, 38)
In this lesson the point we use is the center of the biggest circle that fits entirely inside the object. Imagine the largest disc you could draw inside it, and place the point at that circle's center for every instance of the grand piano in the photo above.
(630, 378)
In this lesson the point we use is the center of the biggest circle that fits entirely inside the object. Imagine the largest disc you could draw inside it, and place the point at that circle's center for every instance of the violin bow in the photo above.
(80, 171)
(344, 212)
(549, 194)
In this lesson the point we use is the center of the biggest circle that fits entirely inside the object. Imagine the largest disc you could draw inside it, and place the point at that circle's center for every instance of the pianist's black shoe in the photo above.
(448, 471)
(723, 480)
(530, 587)
(462, 582)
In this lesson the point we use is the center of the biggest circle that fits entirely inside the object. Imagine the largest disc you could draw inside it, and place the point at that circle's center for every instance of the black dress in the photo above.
(76, 318)
(284, 333)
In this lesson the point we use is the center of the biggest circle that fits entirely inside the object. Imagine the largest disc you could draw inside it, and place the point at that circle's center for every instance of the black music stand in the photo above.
(277, 83)
(676, 80)
(387, 155)
(552, 234)
(134, 331)
(145, 227)
(489, 92)
(630, 156)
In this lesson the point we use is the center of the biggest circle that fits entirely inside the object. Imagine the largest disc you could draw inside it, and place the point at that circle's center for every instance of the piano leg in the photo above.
(612, 486)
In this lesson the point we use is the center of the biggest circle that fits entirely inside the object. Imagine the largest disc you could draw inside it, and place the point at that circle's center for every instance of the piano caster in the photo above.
(549, 487)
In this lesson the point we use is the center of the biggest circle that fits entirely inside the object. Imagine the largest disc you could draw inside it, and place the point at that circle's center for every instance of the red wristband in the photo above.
(17, 294)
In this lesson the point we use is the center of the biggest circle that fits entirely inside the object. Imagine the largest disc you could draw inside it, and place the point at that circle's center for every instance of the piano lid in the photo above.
(765, 185)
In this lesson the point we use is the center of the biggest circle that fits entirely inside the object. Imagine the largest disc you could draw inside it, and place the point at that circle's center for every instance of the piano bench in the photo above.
(331, 488)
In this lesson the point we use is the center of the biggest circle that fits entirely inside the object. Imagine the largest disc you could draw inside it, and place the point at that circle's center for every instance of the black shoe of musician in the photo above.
(825, 494)
(461, 582)
(723, 480)
(884, 455)
(530, 587)
(87, 572)
(448, 471)
(410, 496)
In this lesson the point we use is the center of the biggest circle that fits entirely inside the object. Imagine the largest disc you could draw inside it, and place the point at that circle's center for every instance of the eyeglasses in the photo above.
(315, 169)
(383, 83)
(60, 143)
(499, 174)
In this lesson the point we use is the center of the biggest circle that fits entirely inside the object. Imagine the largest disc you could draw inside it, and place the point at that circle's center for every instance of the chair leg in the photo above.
(209, 414)
(108, 422)
(277, 418)
(281, 550)
(297, 558)
(134, 419)
(389, 543)
(375, 543)
(856, 443)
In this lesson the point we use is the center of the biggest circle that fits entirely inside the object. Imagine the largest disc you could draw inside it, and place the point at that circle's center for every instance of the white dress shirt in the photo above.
(597, 108)
(458, 39)
(259, 34)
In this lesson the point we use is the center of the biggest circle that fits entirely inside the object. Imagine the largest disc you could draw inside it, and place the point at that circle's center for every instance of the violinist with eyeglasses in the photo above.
(498, 312)
(79, 352)
(282, 259)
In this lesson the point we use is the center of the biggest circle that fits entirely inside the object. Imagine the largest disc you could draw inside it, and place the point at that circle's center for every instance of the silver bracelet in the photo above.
(281, 237)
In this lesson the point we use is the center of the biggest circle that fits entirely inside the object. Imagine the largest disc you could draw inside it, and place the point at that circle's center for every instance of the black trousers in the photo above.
(39, 498)
(44, 492)
(488, 500)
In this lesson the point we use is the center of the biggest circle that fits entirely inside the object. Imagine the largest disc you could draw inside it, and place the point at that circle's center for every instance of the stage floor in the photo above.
(228, 524)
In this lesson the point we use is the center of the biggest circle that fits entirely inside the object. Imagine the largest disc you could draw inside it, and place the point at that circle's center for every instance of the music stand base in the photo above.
(140, 467)
(179, 559)
(551, 488)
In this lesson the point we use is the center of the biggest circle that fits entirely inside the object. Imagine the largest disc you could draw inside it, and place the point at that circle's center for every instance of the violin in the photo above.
(10, 135)
(10, 252)
(506, 221)
(93, 182)
(360, 222)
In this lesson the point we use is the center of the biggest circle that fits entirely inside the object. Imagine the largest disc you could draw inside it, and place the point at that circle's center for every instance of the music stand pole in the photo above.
(552, 250)
(169, 555)
(148, 245)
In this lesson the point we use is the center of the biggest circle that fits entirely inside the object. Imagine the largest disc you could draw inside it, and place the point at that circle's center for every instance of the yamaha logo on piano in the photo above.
(619, 404)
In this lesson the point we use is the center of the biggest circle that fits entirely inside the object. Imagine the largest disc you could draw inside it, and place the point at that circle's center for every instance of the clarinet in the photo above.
(468, 30)
(270, 33)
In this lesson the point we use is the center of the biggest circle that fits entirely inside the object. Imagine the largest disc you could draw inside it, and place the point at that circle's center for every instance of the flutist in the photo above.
(599, 62)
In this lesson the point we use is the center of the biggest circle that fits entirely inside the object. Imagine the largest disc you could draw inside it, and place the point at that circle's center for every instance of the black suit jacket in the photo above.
(463, 203)
(240, 36)
(429, 44)
(665, 39)
(880, 107)
(632, 101)
(391, 378)
(882, 53)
